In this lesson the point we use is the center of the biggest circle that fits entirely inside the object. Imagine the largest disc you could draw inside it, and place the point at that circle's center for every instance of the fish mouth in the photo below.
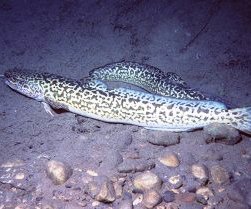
(8, 83)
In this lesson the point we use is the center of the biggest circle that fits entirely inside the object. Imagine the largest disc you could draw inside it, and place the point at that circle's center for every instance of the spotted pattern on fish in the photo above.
(149, 78)
(124, 105)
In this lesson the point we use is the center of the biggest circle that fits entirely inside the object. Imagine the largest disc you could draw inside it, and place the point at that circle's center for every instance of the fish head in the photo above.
(25, 82)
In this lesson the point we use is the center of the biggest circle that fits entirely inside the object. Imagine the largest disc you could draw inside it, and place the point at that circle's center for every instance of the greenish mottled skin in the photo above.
(125, 106)
(149, 78)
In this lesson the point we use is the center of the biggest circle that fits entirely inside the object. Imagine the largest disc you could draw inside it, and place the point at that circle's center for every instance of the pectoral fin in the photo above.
(48, 109)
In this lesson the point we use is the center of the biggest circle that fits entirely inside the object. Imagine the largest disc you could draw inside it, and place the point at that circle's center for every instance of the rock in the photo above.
(135, 165)
(239, 191)
(131, 154)
(58, 172)
(175, 181)
(137, 200)
(168, 196)
(190, 159)
(111, 160)
(248, 198)
(212, 155)
(126, 202)
(205, 192)
(162, 138)
(217, 132)
(194, 205)
(19, 206)
(169, 159)
(12, 163)
(95, 204)
(47, 206)
(106, 193)
(186, 197)
(236, 205)
(200, 171)
(102, 189)
(118, 189)
(162, 206)
(246, 154)
(219, 175)
(200, 199)
(215, 201)
(235, 195)
(147, 180)
(168, 206)
(151, 198)
(19, 176)
(91, 173)
(190, 183)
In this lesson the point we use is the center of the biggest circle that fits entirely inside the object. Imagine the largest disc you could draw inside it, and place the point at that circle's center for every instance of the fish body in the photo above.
(149, 78)
(125, 106)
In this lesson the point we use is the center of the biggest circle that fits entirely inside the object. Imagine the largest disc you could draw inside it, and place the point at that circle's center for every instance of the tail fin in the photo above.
(242, 119)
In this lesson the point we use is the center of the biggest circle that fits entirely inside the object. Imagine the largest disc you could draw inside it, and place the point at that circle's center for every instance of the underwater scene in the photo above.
(127, 104)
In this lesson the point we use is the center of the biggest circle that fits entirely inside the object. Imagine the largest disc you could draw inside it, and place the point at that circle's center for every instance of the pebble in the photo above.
(131, 154)
(138, 200)
(126, 202)
(235, 195)
(246, 154)
(101, 189)
(147, 180)
(111, 160)
(191, 183)
(19, 206)
(169, 159)
(200, 171)
(205, 192)
(215, 201)
(95, 203)
(236, 205)
(186, 197)
(12, 164)
(212, 155)
(168, 206)
(118, 189)
(92, 173)
(58, 172)
(175, 181)
(248, 198)
(189, 158)
(47, 206)
(161, 138)
(107, 193)
(19, 176)
(201, 199)
(135, 165)
(162, 206)
(239, 191)
(168, 196)
(219, 175)
(151, 198)
(217, 132)
(194, 205)
(121, 142)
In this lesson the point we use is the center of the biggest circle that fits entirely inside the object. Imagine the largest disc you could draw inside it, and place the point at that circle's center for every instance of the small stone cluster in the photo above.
(150, 173)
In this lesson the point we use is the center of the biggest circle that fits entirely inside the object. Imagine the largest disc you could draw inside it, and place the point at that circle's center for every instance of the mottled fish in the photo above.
(149, 78)
(125, 106)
